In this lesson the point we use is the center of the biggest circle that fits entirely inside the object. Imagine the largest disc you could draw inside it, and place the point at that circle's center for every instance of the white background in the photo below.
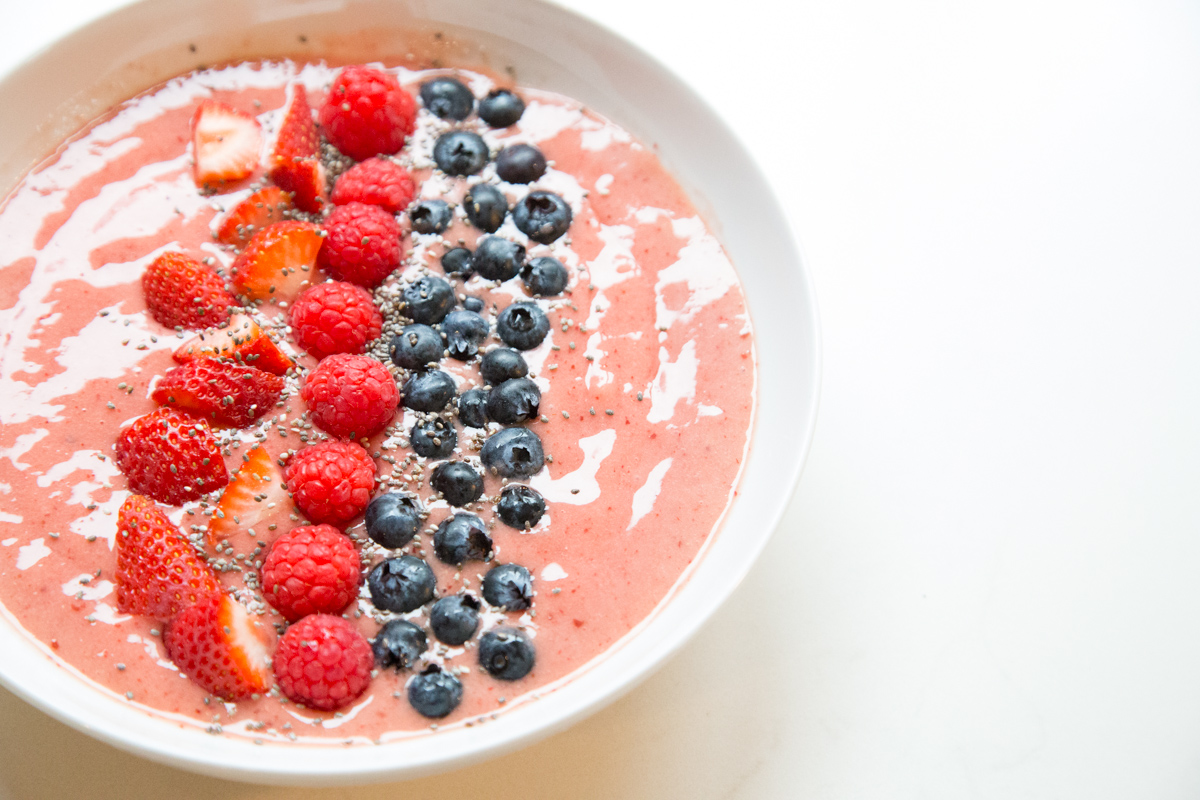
(988, 584)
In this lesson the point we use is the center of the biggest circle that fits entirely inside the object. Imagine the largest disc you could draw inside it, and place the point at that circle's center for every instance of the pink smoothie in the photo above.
(647, 379)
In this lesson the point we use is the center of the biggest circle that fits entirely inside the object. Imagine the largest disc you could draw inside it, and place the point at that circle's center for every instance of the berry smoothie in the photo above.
(617, 337)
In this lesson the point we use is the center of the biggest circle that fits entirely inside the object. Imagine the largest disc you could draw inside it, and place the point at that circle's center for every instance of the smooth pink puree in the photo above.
(653, 328)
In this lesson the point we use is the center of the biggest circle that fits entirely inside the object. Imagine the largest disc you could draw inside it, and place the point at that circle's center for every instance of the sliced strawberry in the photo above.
(269, 204)
(255, 493)
(225, 144)
(278, 262)
(295, 165)
(158, 571)
(171, 457)
(218, 645)
(220, 391)
(182, 292)
(241, 340)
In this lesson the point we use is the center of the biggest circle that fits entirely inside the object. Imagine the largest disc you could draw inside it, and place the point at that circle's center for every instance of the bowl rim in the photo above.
(65, 695)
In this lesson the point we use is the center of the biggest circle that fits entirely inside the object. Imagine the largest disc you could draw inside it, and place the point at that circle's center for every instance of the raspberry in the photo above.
(362, 244)
(323, 662)
(331, 481)
(367, 113)
(377, 182)
(311, 570)
(351, 396)
(335, 317)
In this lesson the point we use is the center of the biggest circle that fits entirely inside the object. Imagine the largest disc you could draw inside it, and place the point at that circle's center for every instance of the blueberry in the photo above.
(501, 108)
(393, 519)
(464, 332)
(417, 346)
(399, 644)
(433, 438)
(460, 153)
(542, 216)
(520, 163)
(506, 653)
(486, 207)
(545, 276)
(448, 98)
(472, 408)
(498, 259)
(513, 453)
(472, 303)
(522, 325)
(458, 482)
(430, 216)
(428, 391)
(457, 261)
(520, 507)
(401, 584)
(460, 538)
(435, 693)
(514, 401)
(502, 364)
(508, 587)
(428, 299)
(453, 620)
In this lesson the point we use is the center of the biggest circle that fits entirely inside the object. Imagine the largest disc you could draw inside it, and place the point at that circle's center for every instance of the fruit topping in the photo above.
(520, 163)
(393, 519)
(460, 152)
(254, 493)
(544, 277)
(312, 569)
(472, 408)
(323, 662)
(514, 401)
(295, 164)
(367, 113)
(278, 262)
(331, 482)
(222, 392)
(486, 207)
(522, 325)
(433, 438)
(430, 216)
(472, 303)
(501, 108)
(447, 98)
(542, 216)
(498, 259)
(399, 644)
(461, 538)
(502, 364)
(454, 620)
(508, 587)
(183, 293)
(465, 331)
(428, 299)
(377, 182)
(225, 144)
(171, 457)
(458, 482)
(269, 204)
(362, 244)
(428, 391)
(435, 693)
(159, 572)
(506, 653)
(513, 453)
(401, 584)
(335, 317)
(416, 347)
(351, 396)
(457, 261)
(241, 340)
(520, 507)
(219, 646)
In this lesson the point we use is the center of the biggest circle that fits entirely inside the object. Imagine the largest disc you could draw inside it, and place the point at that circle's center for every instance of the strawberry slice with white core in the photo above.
(294, 163)
(254, 494)
(225, 144)
(221, 647)
(243, 341)
(279, 262)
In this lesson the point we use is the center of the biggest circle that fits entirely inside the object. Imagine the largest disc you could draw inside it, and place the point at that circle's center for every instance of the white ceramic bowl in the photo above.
(551, 48)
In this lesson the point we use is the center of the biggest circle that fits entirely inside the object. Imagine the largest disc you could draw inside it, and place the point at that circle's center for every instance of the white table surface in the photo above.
(988, 584)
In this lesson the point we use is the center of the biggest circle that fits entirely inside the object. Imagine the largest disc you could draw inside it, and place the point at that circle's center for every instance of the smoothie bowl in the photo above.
(384, 386)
